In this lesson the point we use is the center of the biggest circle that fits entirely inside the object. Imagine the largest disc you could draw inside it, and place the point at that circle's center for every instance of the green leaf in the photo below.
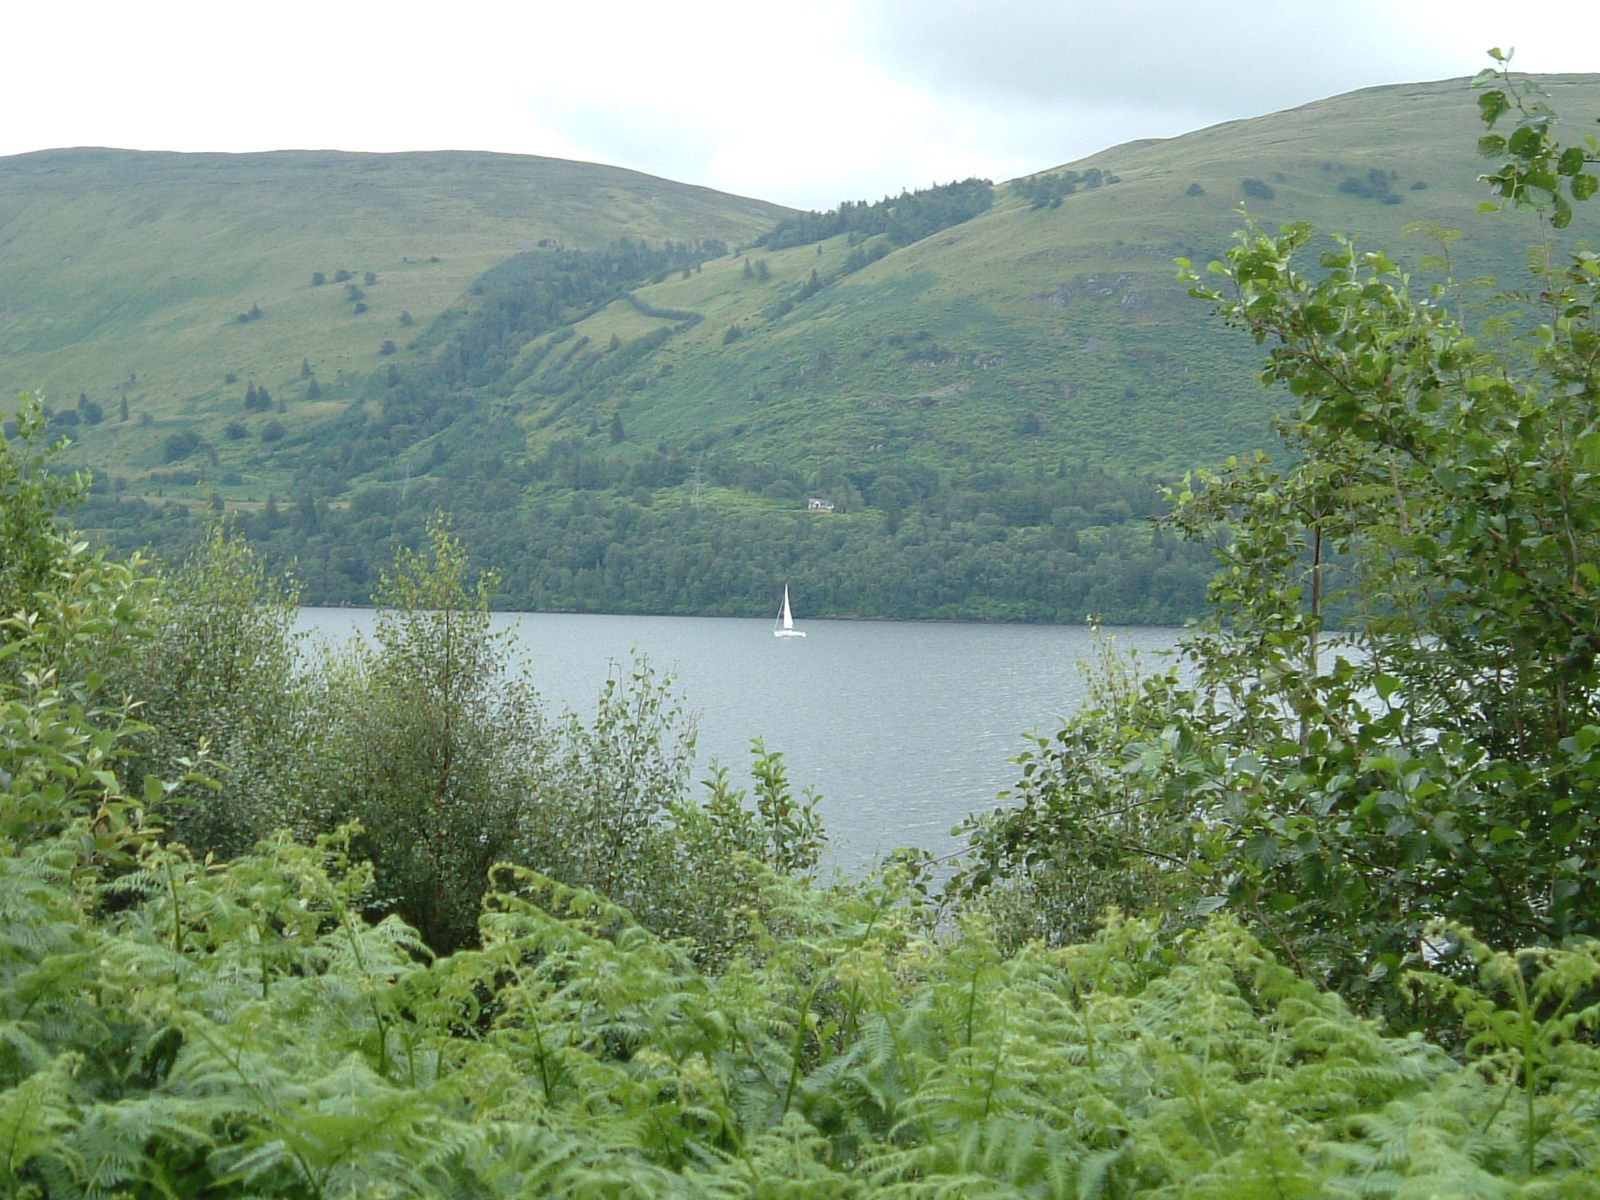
(1588, 448)
(1526, 141)
(1492, 106)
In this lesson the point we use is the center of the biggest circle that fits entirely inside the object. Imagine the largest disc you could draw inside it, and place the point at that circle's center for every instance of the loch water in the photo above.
(904, 727)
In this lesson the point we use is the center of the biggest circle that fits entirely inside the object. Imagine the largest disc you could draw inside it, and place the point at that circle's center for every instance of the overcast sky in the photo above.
(802, 102)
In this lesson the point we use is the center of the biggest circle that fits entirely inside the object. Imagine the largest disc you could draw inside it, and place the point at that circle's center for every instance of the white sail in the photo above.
(785, 626)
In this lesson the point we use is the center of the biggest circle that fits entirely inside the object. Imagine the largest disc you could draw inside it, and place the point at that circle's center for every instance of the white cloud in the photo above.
(806, 103)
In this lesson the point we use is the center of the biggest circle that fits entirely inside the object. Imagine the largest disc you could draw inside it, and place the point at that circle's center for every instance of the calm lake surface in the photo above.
(904, 727)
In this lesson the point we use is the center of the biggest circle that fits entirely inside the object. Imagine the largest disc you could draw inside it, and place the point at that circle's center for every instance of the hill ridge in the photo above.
(977, 387)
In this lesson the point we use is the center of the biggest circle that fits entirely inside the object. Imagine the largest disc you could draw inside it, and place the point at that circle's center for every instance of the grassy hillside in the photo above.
(1067, 320)
(126, 271)
(989, 407)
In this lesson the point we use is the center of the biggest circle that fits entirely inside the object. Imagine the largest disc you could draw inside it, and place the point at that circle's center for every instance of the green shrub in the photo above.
(221, 678)
(1440, 758)
(432, 749)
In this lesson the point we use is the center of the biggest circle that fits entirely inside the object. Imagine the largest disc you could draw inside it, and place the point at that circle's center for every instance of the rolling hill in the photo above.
(121, 265)
(634, 395)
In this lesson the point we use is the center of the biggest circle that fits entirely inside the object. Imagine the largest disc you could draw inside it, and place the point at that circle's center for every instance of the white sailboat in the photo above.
(784, 626)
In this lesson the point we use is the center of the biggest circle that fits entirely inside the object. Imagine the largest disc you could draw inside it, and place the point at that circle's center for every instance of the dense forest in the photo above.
(1289, 923)
(611, 537)
(903, 219)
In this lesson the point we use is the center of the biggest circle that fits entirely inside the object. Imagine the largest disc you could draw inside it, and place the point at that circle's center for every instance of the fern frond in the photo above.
(34, 1117)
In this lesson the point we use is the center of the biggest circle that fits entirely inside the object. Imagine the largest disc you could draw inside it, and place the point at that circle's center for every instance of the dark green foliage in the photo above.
(1534, 168)
(32, 502)
(450, 764)
(865, 254)
(1255, 189)
(1047, 191)
(431, 749)
(1437, 759)
(1376, 185)
(684, 316)
(243, 1032)
(529, 295)
(601, 808)
(1041, 549)
(220, 680)
(906, 218)
(180, 445)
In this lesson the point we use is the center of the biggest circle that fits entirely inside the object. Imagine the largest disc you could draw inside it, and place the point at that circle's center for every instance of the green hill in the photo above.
(628, 393)
(126, 266)
(1067, 318)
